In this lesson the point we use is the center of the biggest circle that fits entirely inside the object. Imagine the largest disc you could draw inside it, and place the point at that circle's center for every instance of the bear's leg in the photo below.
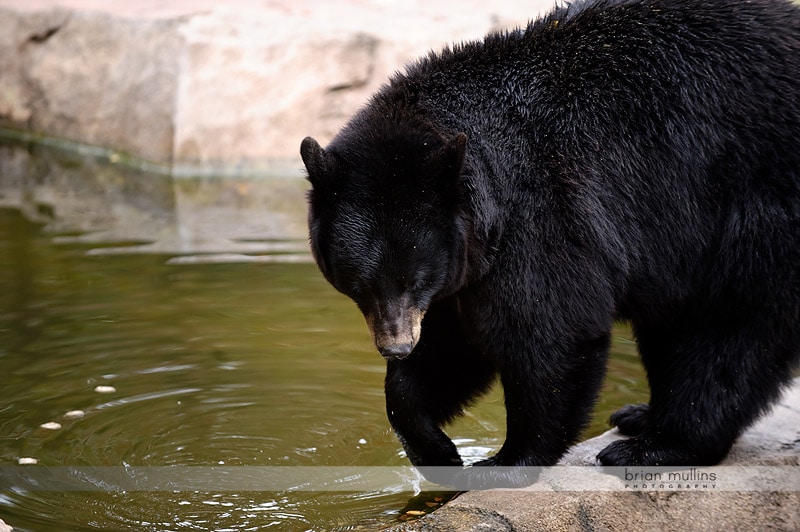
(549, 395)
(631, 420)
(430, 387)
(422, 395)
(706, 387)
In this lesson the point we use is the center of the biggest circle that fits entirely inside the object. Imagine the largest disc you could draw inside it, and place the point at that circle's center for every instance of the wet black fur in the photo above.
(634, 160)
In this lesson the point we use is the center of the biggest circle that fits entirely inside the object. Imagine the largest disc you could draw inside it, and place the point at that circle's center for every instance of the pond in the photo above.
(152, 321)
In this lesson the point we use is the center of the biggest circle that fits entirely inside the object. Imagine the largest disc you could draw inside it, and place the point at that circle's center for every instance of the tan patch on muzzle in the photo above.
(395, 332)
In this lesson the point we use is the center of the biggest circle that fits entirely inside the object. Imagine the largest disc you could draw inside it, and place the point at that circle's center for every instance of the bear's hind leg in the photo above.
(706, 386)
(630, 420)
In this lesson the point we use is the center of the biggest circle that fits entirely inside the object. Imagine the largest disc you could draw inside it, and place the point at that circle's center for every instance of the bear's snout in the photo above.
(396, 351)
(395, 328)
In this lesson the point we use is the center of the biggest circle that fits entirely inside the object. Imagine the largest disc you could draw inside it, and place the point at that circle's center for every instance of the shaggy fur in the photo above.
(616, 159)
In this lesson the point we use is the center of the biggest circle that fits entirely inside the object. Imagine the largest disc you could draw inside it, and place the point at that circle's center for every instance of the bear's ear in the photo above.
(451, 155)
(316, 160)
(457, 147)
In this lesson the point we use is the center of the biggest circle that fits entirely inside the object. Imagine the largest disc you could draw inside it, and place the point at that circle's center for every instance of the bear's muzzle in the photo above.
(395, 328)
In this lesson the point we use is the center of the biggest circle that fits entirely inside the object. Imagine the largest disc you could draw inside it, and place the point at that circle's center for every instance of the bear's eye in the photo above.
(421, 281)
(357, 289)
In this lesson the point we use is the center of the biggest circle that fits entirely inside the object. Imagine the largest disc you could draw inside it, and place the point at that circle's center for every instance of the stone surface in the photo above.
(773, 441)
(209, 87)
(91, 77)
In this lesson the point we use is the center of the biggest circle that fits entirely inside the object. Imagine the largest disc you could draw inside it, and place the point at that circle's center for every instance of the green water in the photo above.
(235, 364)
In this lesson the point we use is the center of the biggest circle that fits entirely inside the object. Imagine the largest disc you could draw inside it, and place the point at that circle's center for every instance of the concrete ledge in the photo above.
(773, 441)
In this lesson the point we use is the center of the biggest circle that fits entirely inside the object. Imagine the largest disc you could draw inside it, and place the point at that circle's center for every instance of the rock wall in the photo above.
(91, 77)
(209, 87)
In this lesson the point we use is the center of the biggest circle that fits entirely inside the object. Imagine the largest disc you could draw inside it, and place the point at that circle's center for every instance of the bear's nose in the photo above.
(396, 351)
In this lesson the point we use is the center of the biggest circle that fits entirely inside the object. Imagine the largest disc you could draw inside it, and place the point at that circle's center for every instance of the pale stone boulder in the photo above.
(202, 87)
(91, 77)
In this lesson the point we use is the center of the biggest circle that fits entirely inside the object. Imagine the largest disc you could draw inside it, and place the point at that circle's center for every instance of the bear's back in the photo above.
(668, 131)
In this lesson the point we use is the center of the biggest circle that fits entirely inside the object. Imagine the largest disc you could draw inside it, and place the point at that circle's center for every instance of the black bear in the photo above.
(494, 209)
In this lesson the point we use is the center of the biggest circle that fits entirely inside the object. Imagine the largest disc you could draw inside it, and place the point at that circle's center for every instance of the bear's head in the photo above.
(386, 228)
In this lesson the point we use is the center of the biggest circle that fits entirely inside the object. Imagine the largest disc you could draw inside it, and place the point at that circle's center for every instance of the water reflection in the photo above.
(196, 304)
(84, 200)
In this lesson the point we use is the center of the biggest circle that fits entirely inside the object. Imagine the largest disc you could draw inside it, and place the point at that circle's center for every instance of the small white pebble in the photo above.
(27, 461)
(51, 425)
(362, 441)
(105, 389)
(75, 414)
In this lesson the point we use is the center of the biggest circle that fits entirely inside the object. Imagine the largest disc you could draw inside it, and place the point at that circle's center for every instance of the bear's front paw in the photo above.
(442, 475)
(487, 474)
(630, 419)
(433, 453)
